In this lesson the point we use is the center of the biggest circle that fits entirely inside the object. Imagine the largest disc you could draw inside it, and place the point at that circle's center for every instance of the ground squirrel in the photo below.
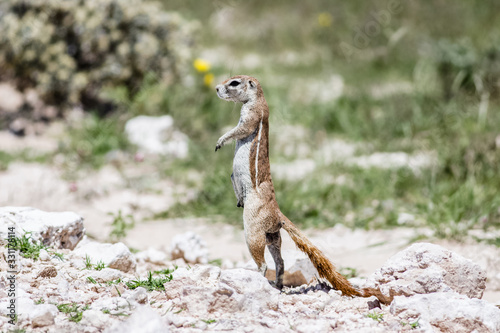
(254, 188)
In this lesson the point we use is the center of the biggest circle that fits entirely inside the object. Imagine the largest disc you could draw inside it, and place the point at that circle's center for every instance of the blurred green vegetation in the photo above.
(69, 50)
(427, 80)
(92, 140)
(26, 155)
(447, 51)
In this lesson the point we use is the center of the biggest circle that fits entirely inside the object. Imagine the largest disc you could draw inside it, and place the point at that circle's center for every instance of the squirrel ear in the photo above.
(252, 84)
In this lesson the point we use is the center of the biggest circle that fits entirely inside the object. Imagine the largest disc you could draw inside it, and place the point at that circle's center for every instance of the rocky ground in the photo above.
(191, 275)
(81, 285)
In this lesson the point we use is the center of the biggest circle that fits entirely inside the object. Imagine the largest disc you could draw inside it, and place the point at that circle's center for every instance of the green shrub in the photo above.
(69, 49)
(462, 67)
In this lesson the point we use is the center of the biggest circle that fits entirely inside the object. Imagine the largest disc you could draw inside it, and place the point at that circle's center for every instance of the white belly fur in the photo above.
(241, 168)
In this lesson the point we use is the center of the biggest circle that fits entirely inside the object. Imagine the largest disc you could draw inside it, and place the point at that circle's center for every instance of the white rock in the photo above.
(447, 312)
(61, 230)
(294, 260)
(116, 256)
(326, 90)
(237, 291)
(156, 135)
(246, 281)
(250, 264)
(95, 318)
(139, 295)
(105, 275)
(313, 326)
(395, 160)
(202, 301)
(63, 288)
(43, 315)
(227, 264)
(405, 218)
(174, 288)
(206, 274)
(24, 305)
(425, 268)
(191, 247)
(114, 304)
(11, 99)
(295, 170)
(153, 256)
(200, 275)
(44, 255)
(257, 293)
(179, 321)
(181, 272)
(143, 320)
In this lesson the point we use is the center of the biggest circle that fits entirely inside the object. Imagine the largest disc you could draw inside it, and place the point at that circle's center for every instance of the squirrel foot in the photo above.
(274, 285)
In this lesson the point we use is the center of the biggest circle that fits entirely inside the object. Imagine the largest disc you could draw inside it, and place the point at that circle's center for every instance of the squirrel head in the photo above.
(240, 88)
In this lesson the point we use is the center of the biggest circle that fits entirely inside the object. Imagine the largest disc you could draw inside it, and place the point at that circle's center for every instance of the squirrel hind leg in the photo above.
(273, 241)
(256, 242)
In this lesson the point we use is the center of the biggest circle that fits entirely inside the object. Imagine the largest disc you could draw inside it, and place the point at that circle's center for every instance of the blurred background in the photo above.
(384, 114)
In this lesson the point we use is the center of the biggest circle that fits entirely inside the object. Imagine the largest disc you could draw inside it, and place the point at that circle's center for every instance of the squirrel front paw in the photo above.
(219, 145)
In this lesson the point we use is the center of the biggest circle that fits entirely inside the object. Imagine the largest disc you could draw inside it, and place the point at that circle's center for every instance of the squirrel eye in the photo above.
(234, 83)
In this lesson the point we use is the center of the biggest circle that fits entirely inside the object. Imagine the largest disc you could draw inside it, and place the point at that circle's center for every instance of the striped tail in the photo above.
(325, 268)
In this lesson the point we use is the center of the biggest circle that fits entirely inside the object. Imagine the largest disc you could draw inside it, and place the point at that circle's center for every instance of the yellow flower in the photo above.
(325, 19)
(201, 65)
(208, 79)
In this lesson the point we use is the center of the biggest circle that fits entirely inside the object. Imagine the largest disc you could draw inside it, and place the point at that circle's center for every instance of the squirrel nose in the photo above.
(217, 89)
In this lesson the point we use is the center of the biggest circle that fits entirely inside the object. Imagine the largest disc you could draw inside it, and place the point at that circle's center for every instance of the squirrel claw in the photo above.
(218, 147)
(274, 285)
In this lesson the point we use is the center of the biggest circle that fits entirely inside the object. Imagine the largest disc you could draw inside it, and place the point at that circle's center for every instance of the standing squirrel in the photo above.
(254, 188)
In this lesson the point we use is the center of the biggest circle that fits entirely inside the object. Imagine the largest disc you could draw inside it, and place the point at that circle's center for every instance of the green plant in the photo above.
(377, 316)
(106, 311)
(151, 283)
(348, 272)
(463, 67)
(88, 262)
(58, 255)
(91, 280)
(166, 271)
(117, 281)
(74, 310)
(120, 225)
(5, 160)
(40, 301)
(413, 325)
(216, 262)
(92, 139)
(69, 50)
(89, 265)
(27, 247)
(17, 330)
(209, 321)
(100, 266)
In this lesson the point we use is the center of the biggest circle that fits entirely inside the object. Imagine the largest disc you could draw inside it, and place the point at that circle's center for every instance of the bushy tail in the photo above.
(325, 268)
